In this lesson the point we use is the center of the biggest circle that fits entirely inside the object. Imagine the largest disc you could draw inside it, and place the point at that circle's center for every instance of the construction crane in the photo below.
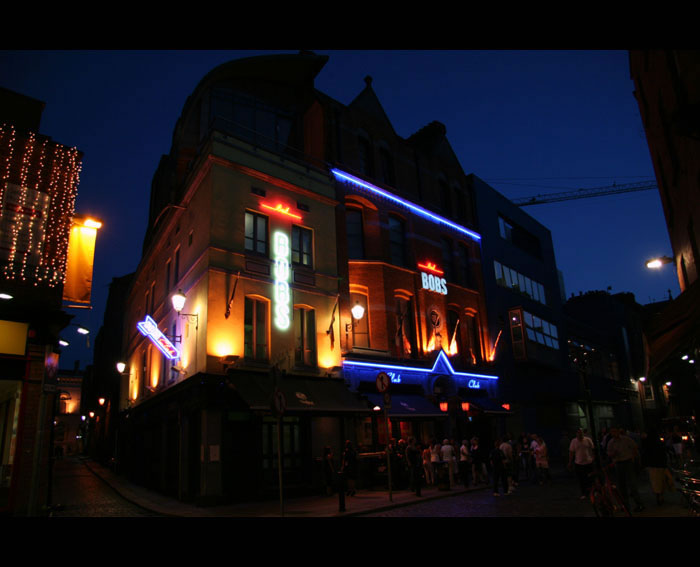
(584, 193)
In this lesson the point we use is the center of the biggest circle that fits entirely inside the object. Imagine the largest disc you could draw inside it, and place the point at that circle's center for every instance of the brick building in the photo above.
(277, 211)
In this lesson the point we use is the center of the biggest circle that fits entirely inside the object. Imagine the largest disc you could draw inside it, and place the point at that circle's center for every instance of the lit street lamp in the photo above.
(656, 263)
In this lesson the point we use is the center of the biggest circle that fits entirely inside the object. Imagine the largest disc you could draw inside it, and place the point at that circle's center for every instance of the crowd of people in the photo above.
(510, 460)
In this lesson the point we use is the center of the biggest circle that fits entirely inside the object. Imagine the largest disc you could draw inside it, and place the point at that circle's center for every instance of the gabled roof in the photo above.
(368, 103)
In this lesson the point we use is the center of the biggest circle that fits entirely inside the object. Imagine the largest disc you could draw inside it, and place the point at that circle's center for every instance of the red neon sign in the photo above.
(281, 209)
(430, 267)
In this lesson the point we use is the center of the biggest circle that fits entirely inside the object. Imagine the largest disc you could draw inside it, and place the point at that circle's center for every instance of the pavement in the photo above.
(364, 502)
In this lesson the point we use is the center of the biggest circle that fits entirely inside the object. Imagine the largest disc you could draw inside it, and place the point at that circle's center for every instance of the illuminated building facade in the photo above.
(38, 232)
(303, 271)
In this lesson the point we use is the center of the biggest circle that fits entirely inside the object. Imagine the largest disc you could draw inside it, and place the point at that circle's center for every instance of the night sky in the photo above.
(526, 122)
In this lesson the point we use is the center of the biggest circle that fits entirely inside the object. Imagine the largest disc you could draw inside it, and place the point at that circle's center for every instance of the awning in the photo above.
(407, 405)
(321, 395)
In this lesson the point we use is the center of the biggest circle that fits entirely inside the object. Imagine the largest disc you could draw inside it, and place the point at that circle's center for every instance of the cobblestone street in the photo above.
(78, 492)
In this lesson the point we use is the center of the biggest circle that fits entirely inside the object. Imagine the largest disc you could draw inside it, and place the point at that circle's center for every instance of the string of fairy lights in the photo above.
(38, 190)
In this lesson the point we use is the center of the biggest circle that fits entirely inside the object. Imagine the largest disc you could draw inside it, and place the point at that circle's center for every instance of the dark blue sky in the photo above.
(526, 122)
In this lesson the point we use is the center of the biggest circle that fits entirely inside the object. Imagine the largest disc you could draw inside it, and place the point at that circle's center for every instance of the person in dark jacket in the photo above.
(349, 467)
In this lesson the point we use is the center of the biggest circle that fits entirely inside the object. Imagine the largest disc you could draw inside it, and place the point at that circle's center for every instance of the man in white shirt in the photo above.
(581, 459)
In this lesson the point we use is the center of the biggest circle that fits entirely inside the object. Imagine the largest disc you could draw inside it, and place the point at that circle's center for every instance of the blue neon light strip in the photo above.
(442, 358)
(415, 208)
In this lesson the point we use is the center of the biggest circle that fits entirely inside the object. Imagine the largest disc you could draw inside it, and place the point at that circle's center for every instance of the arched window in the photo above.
(355, 233)
(304, 336)
(255, 329)
(397, 241)
(405, 338)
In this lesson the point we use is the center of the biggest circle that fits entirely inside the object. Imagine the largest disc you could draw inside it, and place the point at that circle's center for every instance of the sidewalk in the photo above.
(365, 501)
(310, 507)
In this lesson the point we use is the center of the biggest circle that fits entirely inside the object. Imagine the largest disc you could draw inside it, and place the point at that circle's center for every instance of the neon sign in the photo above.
(442, 365)
(281, 209)
(430, 267)
(415, 208)
(434, 283)
(148, 328)
(281, 254)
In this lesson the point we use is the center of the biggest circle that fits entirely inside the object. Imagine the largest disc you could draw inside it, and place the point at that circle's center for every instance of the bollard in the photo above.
(341, 492)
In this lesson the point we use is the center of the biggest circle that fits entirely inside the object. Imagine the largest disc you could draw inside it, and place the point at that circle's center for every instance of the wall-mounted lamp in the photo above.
(178, 301)
(357, 313)
(121, 366)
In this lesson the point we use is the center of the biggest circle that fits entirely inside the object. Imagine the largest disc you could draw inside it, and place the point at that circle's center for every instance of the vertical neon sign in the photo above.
(281, 253)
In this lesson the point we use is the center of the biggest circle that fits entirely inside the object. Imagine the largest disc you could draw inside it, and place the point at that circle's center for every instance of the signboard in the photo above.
(149, 329)
(383, 382)
(281, 254)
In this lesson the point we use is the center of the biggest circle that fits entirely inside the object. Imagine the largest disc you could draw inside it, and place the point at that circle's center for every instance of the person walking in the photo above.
(655, 460)
(507, 450)
(479, 475)
(581, 459)
(498, 468)
(349, 467)
(414, 464)
(623, 452)
(464, 463)
(525, 455)
(427, 465)
(329, 473)
(447, 452)
(541, 460)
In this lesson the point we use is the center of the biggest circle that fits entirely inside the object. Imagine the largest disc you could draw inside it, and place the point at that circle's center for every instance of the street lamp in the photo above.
(656, 263)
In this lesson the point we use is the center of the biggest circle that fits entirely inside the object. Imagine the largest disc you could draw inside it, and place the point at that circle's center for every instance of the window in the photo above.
(168, 266)
(509, 278)
(256, 233)
(519, 237)
(356, 241)
(397, 241)
(365, 155)
(304, 336)
(474, 339)
(302, 246)
(176, 273)
(466, 277)
(447, 259)
(255, 329)
(387, 167)
(445, 198)
(405, 334)
(452, 332)
(541, 331)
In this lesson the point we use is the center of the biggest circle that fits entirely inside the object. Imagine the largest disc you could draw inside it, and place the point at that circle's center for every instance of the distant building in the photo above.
(525, 319)
(608, 358)
(667, 89)
(316, 250)
(38, 228)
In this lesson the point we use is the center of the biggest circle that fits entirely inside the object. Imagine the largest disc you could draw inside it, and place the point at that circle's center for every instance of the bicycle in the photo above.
(605, 497)
(688, 476)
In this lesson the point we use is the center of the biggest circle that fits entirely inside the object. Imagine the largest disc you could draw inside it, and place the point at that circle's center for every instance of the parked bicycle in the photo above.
(604, 495)
(688, 476)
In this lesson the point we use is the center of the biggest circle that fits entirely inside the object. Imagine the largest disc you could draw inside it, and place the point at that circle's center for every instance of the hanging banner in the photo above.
(79, 266)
